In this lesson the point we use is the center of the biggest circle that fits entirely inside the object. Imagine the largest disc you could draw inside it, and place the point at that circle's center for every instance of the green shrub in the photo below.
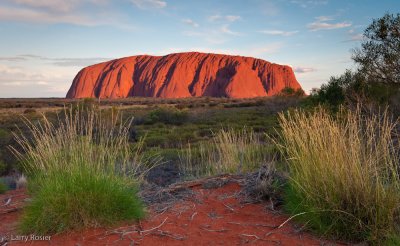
(290, 92)
(344, 178)
(3, 167)
(83, 173)
(171, 116)
(3, 187)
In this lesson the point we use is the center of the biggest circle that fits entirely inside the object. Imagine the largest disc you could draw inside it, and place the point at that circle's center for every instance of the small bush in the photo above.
(344, 178)
(171, 116)
(291, 92)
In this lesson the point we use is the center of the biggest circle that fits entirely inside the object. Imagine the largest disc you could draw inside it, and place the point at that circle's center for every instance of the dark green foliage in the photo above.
(379, 55)
(3, 187)
(333, 93)
(165, 115)
(3, 168)
(290, 92)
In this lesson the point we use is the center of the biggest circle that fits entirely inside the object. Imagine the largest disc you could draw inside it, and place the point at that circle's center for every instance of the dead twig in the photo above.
(269, 234)
(251, 235)
(230, 208)
(192, 217)
(154, 228)
(211, 230)
(248, 224)
(290, 218)
(168, 234)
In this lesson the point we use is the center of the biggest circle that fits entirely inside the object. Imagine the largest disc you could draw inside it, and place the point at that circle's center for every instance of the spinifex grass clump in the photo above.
(344, 178)
(82, 172)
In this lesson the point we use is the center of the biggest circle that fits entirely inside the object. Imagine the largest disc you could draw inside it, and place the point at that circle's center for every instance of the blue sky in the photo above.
(44, 43)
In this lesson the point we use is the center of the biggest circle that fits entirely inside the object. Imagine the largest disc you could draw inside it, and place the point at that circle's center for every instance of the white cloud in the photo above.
(304, 69)
(76, 62)
(210, 36)
(260, 50)
(190, 22)
(229, 18)
(31, 15)
(323, 18)
(214, 17)
(232, 18)
(150, 4)
(59, 61)
(321, 23)
(354, 36)
(55, 5)
(42, 82)
(309, 3)
(278, 32)
(215, 35)
(25, 81)
(76, 12)
(12, 58)
(225, 29)
(252, 51)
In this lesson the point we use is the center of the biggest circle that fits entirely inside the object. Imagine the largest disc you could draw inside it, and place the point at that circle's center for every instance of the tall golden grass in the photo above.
(344, 172)
(85, 138)
(230, 151)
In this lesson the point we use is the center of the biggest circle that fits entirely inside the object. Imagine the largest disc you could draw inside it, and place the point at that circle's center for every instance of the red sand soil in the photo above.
(212, 217)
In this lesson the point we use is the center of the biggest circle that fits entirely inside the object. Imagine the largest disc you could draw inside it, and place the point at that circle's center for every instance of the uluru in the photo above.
(181, 75)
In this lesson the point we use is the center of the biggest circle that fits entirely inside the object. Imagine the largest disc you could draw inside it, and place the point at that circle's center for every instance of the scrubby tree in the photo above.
(379, 55)
(289, 91)
(377, 79)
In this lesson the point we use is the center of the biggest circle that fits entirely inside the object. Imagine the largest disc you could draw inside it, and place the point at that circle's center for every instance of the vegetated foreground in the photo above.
(212, 211)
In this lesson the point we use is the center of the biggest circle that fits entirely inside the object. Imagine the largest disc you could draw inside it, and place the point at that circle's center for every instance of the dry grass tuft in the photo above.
(344, 172)
(230, 151)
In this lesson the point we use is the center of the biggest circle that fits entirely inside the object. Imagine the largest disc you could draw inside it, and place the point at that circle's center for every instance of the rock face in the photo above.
(183, 75)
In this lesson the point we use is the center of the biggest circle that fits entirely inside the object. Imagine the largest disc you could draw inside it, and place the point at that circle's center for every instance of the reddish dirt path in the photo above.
(212, 217)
